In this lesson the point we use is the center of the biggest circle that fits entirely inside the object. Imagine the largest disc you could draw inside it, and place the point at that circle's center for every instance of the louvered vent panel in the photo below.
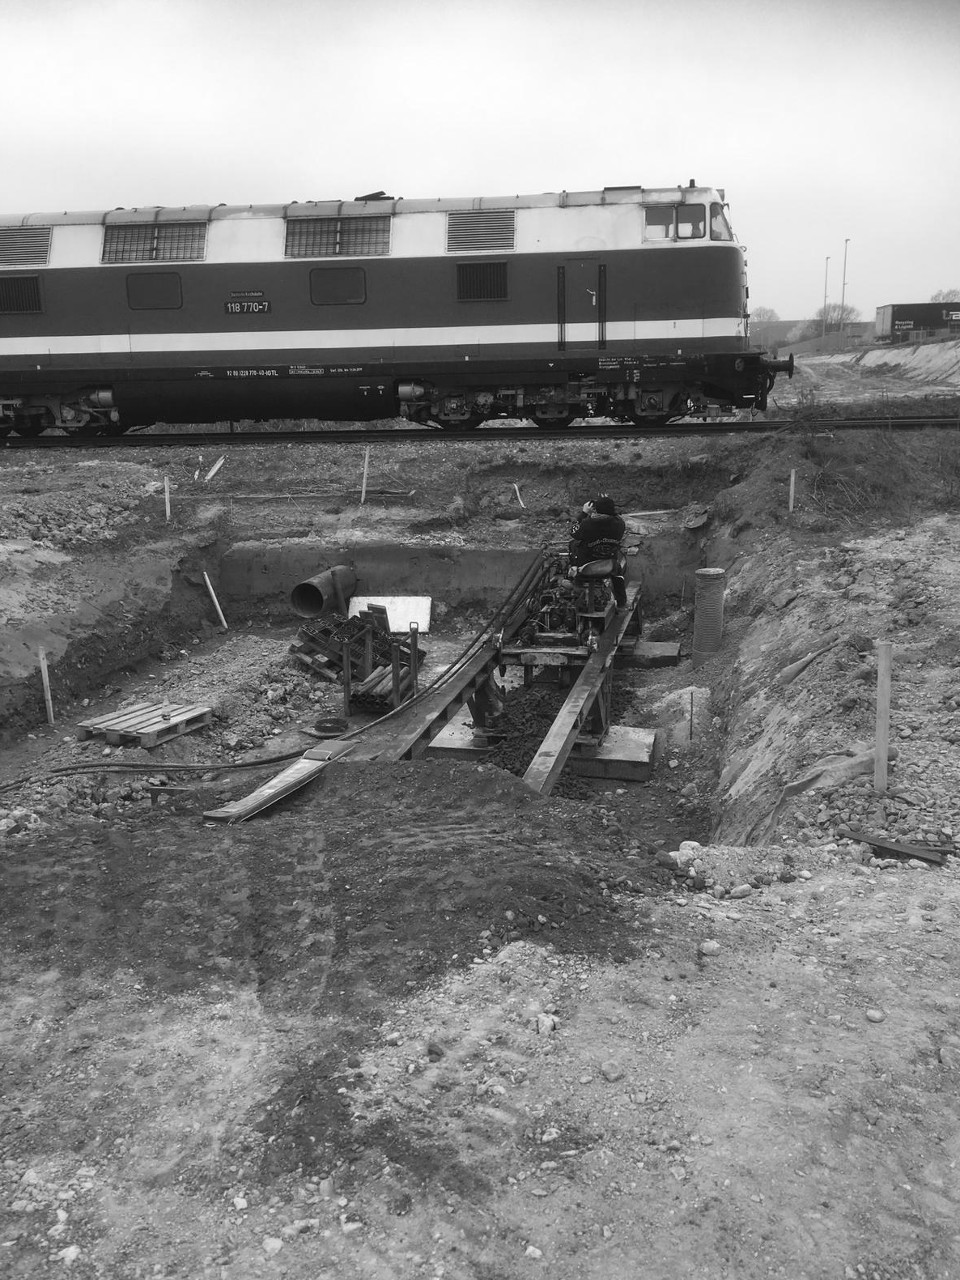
(150, 242)
(337, 237)
(24, 246)
(19, 294)
(481, 231)
(481, 281)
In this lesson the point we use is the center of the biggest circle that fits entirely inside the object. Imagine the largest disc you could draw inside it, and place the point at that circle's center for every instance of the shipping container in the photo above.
(907, 321)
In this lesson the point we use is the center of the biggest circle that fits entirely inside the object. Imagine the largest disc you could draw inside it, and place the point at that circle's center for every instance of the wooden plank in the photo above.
(141, 714)
(925, 852)
(309, 766)
(547, 765)
(111, 716)
(625, 754)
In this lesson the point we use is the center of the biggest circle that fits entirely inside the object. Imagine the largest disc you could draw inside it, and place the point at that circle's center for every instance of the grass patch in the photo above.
(885, 471)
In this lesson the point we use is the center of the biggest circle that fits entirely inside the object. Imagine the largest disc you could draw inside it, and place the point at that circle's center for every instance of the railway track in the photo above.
(227, 438)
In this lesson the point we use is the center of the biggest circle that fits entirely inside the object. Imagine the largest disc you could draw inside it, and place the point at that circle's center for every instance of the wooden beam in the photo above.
(886, 845)
(295, 776)
(547, 764)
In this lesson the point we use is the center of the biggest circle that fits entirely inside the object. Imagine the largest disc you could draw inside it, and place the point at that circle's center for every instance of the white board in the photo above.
(401, 610)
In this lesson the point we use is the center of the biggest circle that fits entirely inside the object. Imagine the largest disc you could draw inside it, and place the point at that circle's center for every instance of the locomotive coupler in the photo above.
(779, 366)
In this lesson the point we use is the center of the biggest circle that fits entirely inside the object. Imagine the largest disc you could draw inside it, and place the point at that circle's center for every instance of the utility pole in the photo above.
(826, 272)
(843, 291)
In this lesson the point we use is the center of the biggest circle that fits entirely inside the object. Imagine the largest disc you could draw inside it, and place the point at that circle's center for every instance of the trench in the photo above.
(108, 652)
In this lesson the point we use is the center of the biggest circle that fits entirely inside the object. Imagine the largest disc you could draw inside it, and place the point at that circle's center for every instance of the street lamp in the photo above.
(843, 290)
(826, 270)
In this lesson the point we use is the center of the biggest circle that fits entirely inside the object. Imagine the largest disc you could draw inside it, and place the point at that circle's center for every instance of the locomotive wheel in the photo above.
(469, 423)
(552, 421)
(29, 426)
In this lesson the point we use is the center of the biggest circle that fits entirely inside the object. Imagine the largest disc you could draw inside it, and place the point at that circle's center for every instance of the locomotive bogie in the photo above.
(627, 303)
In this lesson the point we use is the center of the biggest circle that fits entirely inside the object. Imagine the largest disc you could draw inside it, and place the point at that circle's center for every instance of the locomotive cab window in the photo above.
(154, 291)
(719, 226)
(691, 222)
(334, 286)
(658, 222)
(481, 281)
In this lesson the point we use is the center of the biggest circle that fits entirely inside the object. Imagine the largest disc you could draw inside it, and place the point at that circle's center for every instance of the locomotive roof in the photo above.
(367, 205)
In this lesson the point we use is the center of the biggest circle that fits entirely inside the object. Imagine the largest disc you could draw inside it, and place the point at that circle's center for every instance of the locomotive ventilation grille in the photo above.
(19, 294)
(337, 237)
(481, 231)
(24, 246)
(154, 242)
(481, 281)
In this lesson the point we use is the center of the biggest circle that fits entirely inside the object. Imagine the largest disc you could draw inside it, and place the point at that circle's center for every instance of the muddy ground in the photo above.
(418, 1022)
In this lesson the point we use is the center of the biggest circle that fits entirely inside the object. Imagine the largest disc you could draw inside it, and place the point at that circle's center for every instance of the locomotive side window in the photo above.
(154, 242)
(19, 295)
(658, 222)
(337, 237)
(481, 281)
(154, 291)
(719, 226)
(24, 246)
(333, 286)
(691, 224)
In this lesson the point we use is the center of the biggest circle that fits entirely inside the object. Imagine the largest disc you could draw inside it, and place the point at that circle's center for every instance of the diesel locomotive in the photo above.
(630, 303)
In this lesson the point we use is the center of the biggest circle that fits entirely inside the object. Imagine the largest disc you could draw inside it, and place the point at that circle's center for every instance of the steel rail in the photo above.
(482, 435)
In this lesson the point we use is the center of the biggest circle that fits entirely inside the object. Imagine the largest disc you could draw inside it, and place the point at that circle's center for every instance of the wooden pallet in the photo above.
(147, 724)
(307, 653)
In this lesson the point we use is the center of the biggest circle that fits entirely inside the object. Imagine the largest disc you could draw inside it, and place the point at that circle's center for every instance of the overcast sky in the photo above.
(823, 120)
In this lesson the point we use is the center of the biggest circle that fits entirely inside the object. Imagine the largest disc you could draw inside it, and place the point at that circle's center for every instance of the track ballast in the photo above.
(227, 438)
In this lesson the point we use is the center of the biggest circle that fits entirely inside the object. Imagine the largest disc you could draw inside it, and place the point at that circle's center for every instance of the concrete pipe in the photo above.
(324, 593)
(708, 613)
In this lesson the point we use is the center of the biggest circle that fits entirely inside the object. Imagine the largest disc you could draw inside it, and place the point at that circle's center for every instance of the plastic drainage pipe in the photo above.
(325, 592)
(708, 613)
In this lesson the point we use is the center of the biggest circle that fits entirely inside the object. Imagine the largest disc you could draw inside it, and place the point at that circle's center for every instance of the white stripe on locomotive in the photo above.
(438, 338)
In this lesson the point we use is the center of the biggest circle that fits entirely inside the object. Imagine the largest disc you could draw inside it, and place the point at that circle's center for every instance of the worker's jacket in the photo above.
(596, 537)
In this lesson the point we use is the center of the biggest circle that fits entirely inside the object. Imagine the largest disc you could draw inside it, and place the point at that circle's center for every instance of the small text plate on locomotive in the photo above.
(247, 307)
